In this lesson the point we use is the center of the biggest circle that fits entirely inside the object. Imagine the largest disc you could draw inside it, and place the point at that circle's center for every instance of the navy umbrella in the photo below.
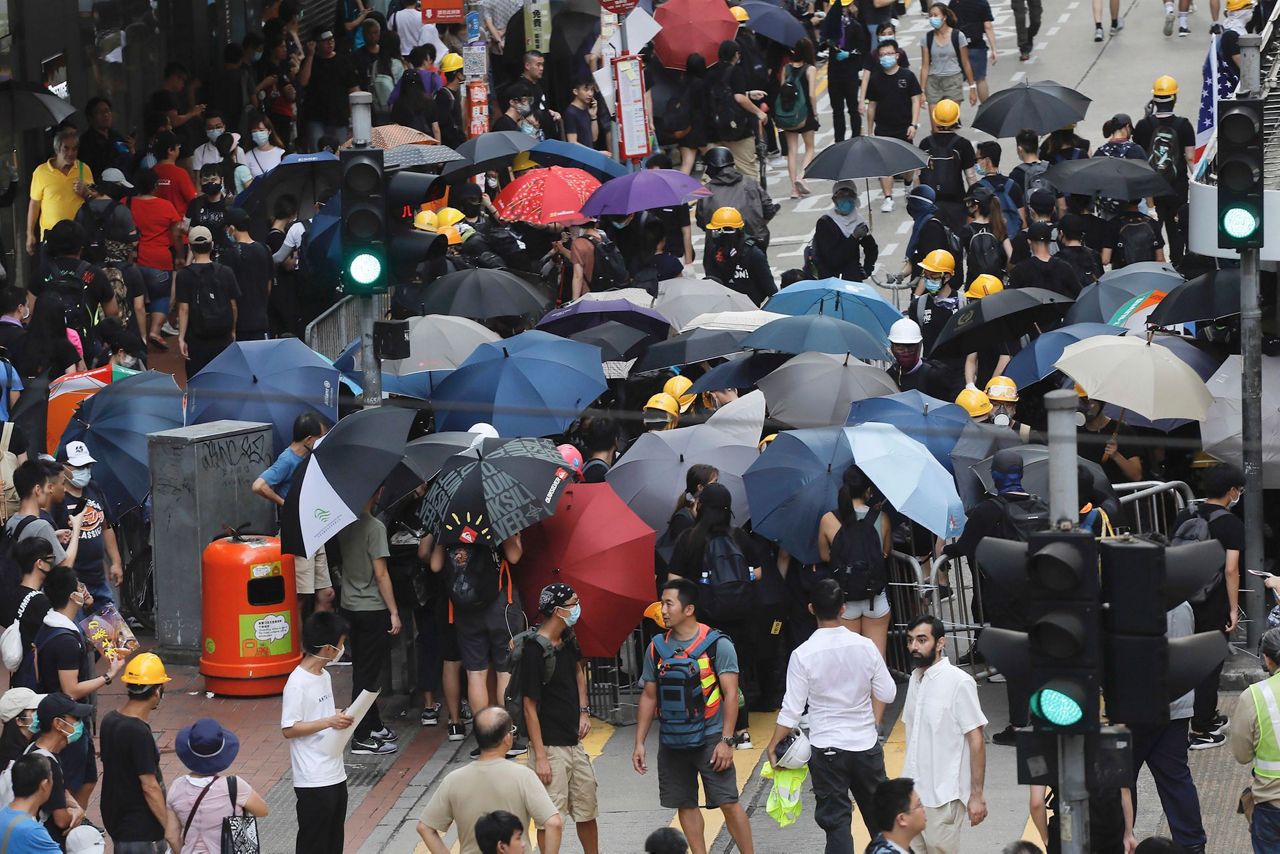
(739, 372)
(687, 348)
(309, 178)
(114, 424)
(773, 22)
(817, 333)
(1035, 362)
(934, 423)
(556, 152)
(584, 314)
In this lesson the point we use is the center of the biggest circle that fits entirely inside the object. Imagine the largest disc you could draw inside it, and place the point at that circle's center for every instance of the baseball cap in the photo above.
(237, 218)
(1072, 224)
(1040, 231)
(554, 596)
(77, 454)
(715, 495)
(57, 704)
(85, 839)
(15, 701)
(1042, 201)
(845, 184)
(114, 176)
(200, 234)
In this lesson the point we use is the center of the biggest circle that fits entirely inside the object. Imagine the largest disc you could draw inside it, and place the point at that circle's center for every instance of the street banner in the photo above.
(537, 25)
(477, 108)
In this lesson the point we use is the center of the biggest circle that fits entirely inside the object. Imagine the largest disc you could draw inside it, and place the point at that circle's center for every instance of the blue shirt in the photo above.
(9, 381)
(280, 476)
(27, 835)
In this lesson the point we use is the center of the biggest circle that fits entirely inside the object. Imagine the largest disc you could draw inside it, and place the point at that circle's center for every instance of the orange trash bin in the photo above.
(250, 622)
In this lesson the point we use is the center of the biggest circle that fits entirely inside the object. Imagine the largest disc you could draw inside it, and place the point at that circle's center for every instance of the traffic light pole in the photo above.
(361, 135)
(1072, 795)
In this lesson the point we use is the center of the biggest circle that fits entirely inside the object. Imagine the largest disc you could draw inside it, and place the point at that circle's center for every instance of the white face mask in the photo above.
(1001, 420)
(261, 137)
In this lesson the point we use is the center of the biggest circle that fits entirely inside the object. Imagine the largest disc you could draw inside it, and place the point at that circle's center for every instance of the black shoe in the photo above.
(457, 732)
(431, 715)
(1006, 737)
(475, 752)
(1204, 740)
(1218, 725)
(518, 748)
(372, 747)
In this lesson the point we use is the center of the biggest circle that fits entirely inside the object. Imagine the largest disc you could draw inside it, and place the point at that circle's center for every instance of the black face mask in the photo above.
(470, 207)
(211, 189)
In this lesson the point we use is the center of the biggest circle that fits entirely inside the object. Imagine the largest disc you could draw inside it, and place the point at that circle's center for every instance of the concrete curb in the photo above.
(1239, 671)
(397, 830)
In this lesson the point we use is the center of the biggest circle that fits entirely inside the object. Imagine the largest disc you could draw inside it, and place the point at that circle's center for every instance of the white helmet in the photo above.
(905, 331)
(482, 430)
(794, 750)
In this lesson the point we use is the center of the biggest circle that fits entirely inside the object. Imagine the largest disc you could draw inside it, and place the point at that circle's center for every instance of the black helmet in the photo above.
(716, 159)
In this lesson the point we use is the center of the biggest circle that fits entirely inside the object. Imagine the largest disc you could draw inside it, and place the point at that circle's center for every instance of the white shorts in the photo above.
(874, 608)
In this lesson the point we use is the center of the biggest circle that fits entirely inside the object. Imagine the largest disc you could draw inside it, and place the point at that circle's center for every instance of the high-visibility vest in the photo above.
(1266, 756)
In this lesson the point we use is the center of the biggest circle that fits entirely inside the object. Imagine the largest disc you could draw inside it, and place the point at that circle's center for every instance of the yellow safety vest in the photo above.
(1266, 756)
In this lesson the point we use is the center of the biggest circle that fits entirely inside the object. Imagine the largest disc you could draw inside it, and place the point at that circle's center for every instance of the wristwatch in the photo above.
(727, 739)
(106, 679)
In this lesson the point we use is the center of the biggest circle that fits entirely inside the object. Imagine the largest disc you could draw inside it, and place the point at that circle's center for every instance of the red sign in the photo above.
(618, 7)
(477, 108)
(442, 12)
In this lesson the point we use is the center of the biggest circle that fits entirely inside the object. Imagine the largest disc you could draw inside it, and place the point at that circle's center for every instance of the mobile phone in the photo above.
(82, 500)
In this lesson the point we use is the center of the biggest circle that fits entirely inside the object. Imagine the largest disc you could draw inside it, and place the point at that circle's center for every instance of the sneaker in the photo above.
(1218, 725)
(431, 715)
(475, 752)
(169, 329)
(372, 747)
(742, 741)
(518, 748)
(1117, 26)
(1006, 737)
(887, 205)
(1205, 740)
(1168, 21)
(466, 712)
(457, 732)
(384, 734)
(1183, 32)
(995, 676)
(1097, 32)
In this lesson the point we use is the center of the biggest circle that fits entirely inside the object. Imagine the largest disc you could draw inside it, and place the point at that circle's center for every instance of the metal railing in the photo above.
(331, 332)
(1151, 506)
(613, 693)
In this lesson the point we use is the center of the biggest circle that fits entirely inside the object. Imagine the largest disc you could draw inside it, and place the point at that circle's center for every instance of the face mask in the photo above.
(34, 726)
(528, 128)
(214, 134)
(1232, 503)
(977, 167)
(933, 285)
(906, 358)
(261, 137)
(524, 109)
(1001, 420)
(257, 55)
(80, 478)
(936, 23)
(845, 206)
(337, 657)
(575, 611)
(211, 189)
(76, 732)
(917, 208)
(887, 61)
(655, 423)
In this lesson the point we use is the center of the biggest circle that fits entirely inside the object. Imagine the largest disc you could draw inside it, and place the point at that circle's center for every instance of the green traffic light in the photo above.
(1056, 707)
(1239, 223)
(365, 268)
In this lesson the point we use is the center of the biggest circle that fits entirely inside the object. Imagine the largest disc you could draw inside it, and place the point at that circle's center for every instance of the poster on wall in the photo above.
(633, 118)
(442, 12)
(477, 108)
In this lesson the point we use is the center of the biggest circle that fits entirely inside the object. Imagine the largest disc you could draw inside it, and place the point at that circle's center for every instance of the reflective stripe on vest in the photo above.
(710, 684)
(1266, 756)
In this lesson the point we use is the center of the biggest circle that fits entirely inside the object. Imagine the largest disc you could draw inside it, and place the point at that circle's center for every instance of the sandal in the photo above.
(803, 188)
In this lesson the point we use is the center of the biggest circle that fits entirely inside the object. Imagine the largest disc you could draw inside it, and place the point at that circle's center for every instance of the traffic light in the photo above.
(1240, 173)
(407, 246)
(364, 222)
(1144, 669)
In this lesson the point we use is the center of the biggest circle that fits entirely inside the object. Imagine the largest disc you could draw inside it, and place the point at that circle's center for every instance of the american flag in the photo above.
(1220, 81)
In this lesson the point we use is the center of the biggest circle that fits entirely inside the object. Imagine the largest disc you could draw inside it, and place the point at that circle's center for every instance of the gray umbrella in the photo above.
(1035, 472)
(818, 389)
(977, 442)
(418, 154)
(681, 300)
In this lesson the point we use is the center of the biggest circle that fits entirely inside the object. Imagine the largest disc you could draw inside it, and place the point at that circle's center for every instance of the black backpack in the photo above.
(1022, 517)
(95, 245)
(943, 173)
(857, 558)
(984, 255)
(726, 593)
(210, 314)
(69, 287)
(1195, 529)
(10, 572)
(513, 697)
(472, 576)
(1165, 154)
(726, 119)
(1137, 242)
(610, 269)
(676, 121)
(1033, 178)
(1084, 261)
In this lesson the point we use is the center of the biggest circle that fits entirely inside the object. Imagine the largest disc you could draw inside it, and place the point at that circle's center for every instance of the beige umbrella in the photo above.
(1136, 375)
(635, 296)
(389, 136)
(734, 321)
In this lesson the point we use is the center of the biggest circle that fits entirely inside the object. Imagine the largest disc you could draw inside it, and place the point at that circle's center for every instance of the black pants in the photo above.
(201, 353)
(743, 636)
(1208, 618)
(843, 93)
(1169, 212)
(1164, 750)
(370, 647)
(322, 812)
(1027, 29)
(836, 773)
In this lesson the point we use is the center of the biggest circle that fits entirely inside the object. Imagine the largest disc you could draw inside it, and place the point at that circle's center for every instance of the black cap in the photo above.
(715, 495)
(467, 191)
(1042, 201)
(58, 704)
(1073, 225)
(237, 218)
(1041, 231)
(1005, 462)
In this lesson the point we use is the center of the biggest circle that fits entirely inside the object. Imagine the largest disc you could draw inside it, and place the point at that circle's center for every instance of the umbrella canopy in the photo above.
(331, 487)
(422, 461)
(1135, 314)
(1134, 374)
(816, 333)
(617, 341)
(866, 157)
(651, 474)
(29, 106)
(1221, 432)
(635, 296)
(857, 302)
(977, 442)
(269, 381)
(482, 293)
(692, 26)
(596, 545)
(546, 196)
(438, 343)
(816, 389)
(533, 384)
(310, 178)
(495, 491)
(1204, 362)
(742, 371)
(906, 473)
(681, 300)
(580, 315)
(1035, 473)
(734, 321)
(1100, 302)
(489, 150)
(1143, 277)
(1000, 318)
(114, 423)
(1112, 177)
(1030, 106)
(556, 152)
(933, 423)
(687, 348)
(420, 154)
(644, 190)
(67, 392)
(773, 22)
(1035, 362)
(1213, 296)
(390, 136)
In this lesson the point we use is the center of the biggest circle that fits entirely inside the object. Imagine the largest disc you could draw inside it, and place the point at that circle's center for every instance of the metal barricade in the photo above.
(1151, 506)
(953, 594)
(331, 332)
(909, 596)
(613, 695)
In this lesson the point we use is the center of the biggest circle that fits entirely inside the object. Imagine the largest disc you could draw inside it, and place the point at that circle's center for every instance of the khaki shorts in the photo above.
(573, 782)
(942, 832)
(951, 87)
(312, 573)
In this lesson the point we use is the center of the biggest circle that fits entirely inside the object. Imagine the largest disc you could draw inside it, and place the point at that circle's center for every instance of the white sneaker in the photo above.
(887, 205)
(168, 328)
(1168, 21)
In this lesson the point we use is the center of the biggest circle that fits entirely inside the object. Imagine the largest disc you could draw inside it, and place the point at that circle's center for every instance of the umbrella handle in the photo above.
(237, 533)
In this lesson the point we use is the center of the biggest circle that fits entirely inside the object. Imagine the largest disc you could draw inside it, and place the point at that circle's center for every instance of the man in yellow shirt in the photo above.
(59, 186)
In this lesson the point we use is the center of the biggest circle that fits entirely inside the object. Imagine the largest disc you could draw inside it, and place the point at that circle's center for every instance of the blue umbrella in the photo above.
(907, 475)
(773, 22)
(269, 381)
(310, 178)
(739, 372)
(420, 384)
(555, 152)
(324, 246)
(114, 423)
(533, 384)
(933, 423)
(813, 333)
(856, 302)
(1035, 362)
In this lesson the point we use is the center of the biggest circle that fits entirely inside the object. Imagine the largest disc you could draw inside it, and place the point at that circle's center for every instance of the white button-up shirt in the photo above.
(837, 672)
(942, 705)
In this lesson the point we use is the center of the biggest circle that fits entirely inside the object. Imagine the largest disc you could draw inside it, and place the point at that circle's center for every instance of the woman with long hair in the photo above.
(683, 516)
(989, 254)
(867, 617)
(263, 147)
(799, 71)
(944, 60)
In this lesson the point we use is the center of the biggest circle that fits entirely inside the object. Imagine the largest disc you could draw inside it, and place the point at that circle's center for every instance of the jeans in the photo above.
(836, 773)
(1265, 829)
(370, 648)
(1164, 750)
(1026, 30)
(843, 93)
(322, 812)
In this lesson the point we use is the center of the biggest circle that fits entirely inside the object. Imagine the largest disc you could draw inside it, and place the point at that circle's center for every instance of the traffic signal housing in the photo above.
(1240, 174)
(407, 246)
(364, 222)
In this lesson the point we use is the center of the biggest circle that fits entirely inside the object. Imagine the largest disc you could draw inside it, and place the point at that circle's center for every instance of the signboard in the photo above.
(442, 12)
(632, 117)
(537, 25)
(475, 61)
(473, 26)
(477, 108)
(618, 7)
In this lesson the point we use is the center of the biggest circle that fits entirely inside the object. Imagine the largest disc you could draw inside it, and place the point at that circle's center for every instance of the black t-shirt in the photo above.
(892, 94)
(13, 338)
(1054, 275)
(18, 443)
(577, 121)
(92, 551)
(505, 122)
(972, 15)
(128, 750)
(331, 80)
(449, 118)
(59, 649)
(558, 699)
(931, 314)
(686, 557)
(941, 146)
(594, 471)
(212, 215)
(1095, 230)
(253, 267)
(1182, 129)
(1092, 445)
(96, 287)
(32, 617)
(225, 279)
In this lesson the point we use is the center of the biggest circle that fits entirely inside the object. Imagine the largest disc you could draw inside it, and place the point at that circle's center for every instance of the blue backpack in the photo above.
(684, 706)
(1012, 220)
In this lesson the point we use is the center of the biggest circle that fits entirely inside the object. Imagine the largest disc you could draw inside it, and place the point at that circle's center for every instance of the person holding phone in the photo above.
(97, 561)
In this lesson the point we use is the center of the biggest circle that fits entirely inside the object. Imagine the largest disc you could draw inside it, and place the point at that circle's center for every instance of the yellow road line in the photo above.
(822, 80)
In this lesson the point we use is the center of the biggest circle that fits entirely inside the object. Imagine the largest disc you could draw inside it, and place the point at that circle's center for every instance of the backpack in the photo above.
(1166, 154)
(211, 314)
(513, 698)
(95, 245)
(1195, 529)
(726, 120)
(121, 289)
(381, 86)
(10, 573)
(955, 42)
(44, 637)
(1022, 517)
(1137, 242)
(69, 287)
(473, 576)
(609, 271)
(857, 558)
(682, 670)
(726, 593)
(11, 651)
(1012, 219)
(954, 245)
(984, 255)
(943, 173)
(1033, 178)
(791, 105)
(1082, 260)
(676, 121)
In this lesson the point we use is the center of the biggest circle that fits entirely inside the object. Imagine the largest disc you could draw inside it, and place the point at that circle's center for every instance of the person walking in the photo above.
(951, 162)
(840, 676)
(160, 249)
(794, 112)
(1169, 141)
(207, 293)
(254, 268)
(1253, 742)
(944, 61)
(893, 106)
(854, 541)
(734, 259)
(900, 816)
(1043, 269)
(1026, 22)
(975, 21)
(730, 189)
(848, 44)
(1117, 21)
(199, 801)
(58, 723)
(690, 679)
(732, 111)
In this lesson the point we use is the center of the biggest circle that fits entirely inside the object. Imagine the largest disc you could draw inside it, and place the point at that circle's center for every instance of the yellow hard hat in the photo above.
(449, 216)
(654, 612)
(1080, 392)
(1164, 87)
(425, 221)
(145, 669)
(725, 218)
(764, 443)
(451, 234)
(677, 387)
(1002, 390)
(984, 286)
(523, 162)
(939, 261)
(450, 62)
(946, 113)
(740, 14)
(664, 402)
(975, 402)
(1237, 5)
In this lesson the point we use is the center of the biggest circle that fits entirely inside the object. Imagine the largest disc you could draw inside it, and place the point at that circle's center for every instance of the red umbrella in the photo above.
(600, 548)
(692, 26)
(544, 196)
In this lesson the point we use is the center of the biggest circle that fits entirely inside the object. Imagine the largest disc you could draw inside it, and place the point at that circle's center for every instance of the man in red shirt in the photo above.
(174, 182)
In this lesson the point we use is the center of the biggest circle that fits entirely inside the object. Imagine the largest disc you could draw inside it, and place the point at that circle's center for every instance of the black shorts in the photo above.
(484, 637)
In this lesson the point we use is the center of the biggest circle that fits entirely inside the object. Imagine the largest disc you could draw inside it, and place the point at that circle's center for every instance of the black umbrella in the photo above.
(773, 22)
(481, 293)
(28, 106)
(866, 157)
(740, 372)
(508, 485)
(617, 341)
(1028, 106)
(330, 488)
(1112, 177)
(488, 151)
(999, 319)
(1099, 302)
(1065, 93)
(309, 178)
(977, 442)
(696, 345)
(422, 461)
(1212, 296)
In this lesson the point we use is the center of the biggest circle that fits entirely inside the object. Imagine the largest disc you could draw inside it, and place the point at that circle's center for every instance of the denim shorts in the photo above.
(978, 62)
(157, 287)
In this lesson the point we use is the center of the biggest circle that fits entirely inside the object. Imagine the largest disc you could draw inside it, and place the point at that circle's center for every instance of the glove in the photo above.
(972, 386)
(842, 55)
(861, 231)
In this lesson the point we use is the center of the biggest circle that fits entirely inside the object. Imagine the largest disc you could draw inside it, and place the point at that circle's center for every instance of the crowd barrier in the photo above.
(331, 332)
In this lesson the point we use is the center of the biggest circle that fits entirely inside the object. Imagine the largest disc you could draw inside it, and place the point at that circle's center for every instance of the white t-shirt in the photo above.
(308, 697)
(292, 242)
(208, 153)
(261, 162)
(407, 24)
